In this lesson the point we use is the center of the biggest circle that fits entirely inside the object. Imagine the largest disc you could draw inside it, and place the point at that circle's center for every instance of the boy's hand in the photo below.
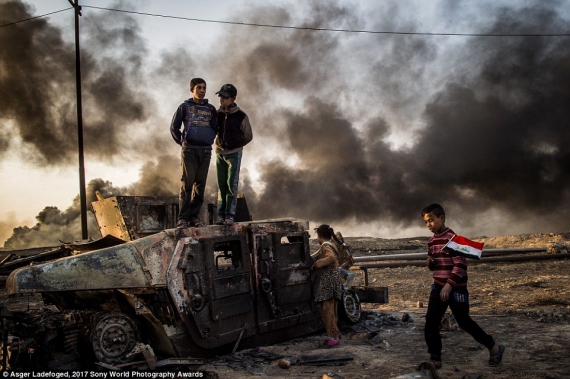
(444, 293)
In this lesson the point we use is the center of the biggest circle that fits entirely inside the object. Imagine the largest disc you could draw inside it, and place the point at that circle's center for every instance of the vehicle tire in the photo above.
(115, 335)
(349, 307)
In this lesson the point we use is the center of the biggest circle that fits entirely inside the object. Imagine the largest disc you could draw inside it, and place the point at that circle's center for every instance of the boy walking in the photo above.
(449, 290)
(234, 132)
(199, 119)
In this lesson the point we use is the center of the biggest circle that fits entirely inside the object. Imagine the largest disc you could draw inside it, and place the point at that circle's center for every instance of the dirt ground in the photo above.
(524, 305)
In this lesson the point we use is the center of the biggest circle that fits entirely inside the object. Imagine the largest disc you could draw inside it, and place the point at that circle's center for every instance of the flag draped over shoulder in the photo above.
(459, 245)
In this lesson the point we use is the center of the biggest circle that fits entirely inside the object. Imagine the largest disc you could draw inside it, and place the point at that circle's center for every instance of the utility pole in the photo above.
(82, 194)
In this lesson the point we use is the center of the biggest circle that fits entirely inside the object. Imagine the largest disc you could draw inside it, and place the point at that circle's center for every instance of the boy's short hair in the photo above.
(194, 82)
(325, 231)
(434, 209)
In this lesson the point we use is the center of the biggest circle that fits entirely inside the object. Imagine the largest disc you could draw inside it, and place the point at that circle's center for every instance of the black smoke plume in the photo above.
(354, 129)
(493, 142)
(37, 86)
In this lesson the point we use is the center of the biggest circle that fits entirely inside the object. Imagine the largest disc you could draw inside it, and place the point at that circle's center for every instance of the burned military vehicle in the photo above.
(181, 293)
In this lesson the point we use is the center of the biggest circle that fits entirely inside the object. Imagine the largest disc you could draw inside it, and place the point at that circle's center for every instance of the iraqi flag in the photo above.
(458, 245)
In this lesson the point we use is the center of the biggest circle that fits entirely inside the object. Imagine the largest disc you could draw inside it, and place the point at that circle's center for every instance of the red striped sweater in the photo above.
(446, 269)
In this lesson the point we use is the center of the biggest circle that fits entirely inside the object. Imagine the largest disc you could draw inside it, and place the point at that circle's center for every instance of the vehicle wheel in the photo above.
(349, 307)
(114, 336)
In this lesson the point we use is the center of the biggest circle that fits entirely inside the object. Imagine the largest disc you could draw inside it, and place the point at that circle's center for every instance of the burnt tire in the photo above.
(349, 307)
(115, 335)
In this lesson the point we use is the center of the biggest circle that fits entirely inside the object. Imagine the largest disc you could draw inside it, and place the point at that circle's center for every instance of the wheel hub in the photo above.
(114, 336)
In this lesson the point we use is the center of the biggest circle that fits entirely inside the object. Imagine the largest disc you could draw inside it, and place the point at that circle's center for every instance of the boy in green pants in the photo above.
(234, 132)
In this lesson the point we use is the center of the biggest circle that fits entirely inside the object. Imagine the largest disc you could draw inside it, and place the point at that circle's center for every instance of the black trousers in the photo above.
(195, 164)
(458, 302)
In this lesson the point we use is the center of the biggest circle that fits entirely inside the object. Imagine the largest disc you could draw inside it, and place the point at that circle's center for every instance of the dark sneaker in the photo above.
(195, 222)
(182, 223)
(229, 220)
(220, 220)
(494, 360)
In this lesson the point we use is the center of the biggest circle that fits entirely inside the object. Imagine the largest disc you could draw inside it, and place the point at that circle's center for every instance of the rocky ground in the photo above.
(525, 305)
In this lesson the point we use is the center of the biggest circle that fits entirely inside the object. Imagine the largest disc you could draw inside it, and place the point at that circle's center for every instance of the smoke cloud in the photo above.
(493, 136)
(54, 226)
(353, 129)
(37, 86)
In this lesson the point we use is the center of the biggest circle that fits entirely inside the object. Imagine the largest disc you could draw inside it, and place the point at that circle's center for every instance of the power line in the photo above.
(33, 18)
(307, 27)
(337, 30)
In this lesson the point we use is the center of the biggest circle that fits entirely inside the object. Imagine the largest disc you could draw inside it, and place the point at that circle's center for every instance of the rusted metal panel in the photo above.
(230, 286)
(282, 261)
(215, 304)
(25, 252)
(283, 225)
(107, 241)
(232, 306)
(26, 257)
(109, 218)
(114, 267)
(46, 255)
(156, 251)
(133, 217)
(294, 275)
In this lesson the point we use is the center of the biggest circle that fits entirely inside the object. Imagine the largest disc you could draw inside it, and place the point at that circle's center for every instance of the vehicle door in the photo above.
(217, 296)
(283, 285)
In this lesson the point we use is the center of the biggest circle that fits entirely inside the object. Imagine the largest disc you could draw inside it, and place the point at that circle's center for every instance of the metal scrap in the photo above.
(329, 359)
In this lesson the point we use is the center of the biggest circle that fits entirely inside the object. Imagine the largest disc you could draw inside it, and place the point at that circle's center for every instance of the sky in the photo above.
(359, 130)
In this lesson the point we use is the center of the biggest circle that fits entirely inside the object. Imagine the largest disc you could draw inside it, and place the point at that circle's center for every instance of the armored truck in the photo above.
(182, 293)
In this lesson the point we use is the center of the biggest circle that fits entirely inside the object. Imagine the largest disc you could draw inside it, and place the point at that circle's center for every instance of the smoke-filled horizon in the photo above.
(360, 131)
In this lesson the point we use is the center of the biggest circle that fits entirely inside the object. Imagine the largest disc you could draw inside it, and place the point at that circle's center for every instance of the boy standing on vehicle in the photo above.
(200, 127)
(449, 289)
(234, 132)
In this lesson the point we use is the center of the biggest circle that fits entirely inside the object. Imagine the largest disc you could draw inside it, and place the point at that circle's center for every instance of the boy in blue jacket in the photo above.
(200, 122)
